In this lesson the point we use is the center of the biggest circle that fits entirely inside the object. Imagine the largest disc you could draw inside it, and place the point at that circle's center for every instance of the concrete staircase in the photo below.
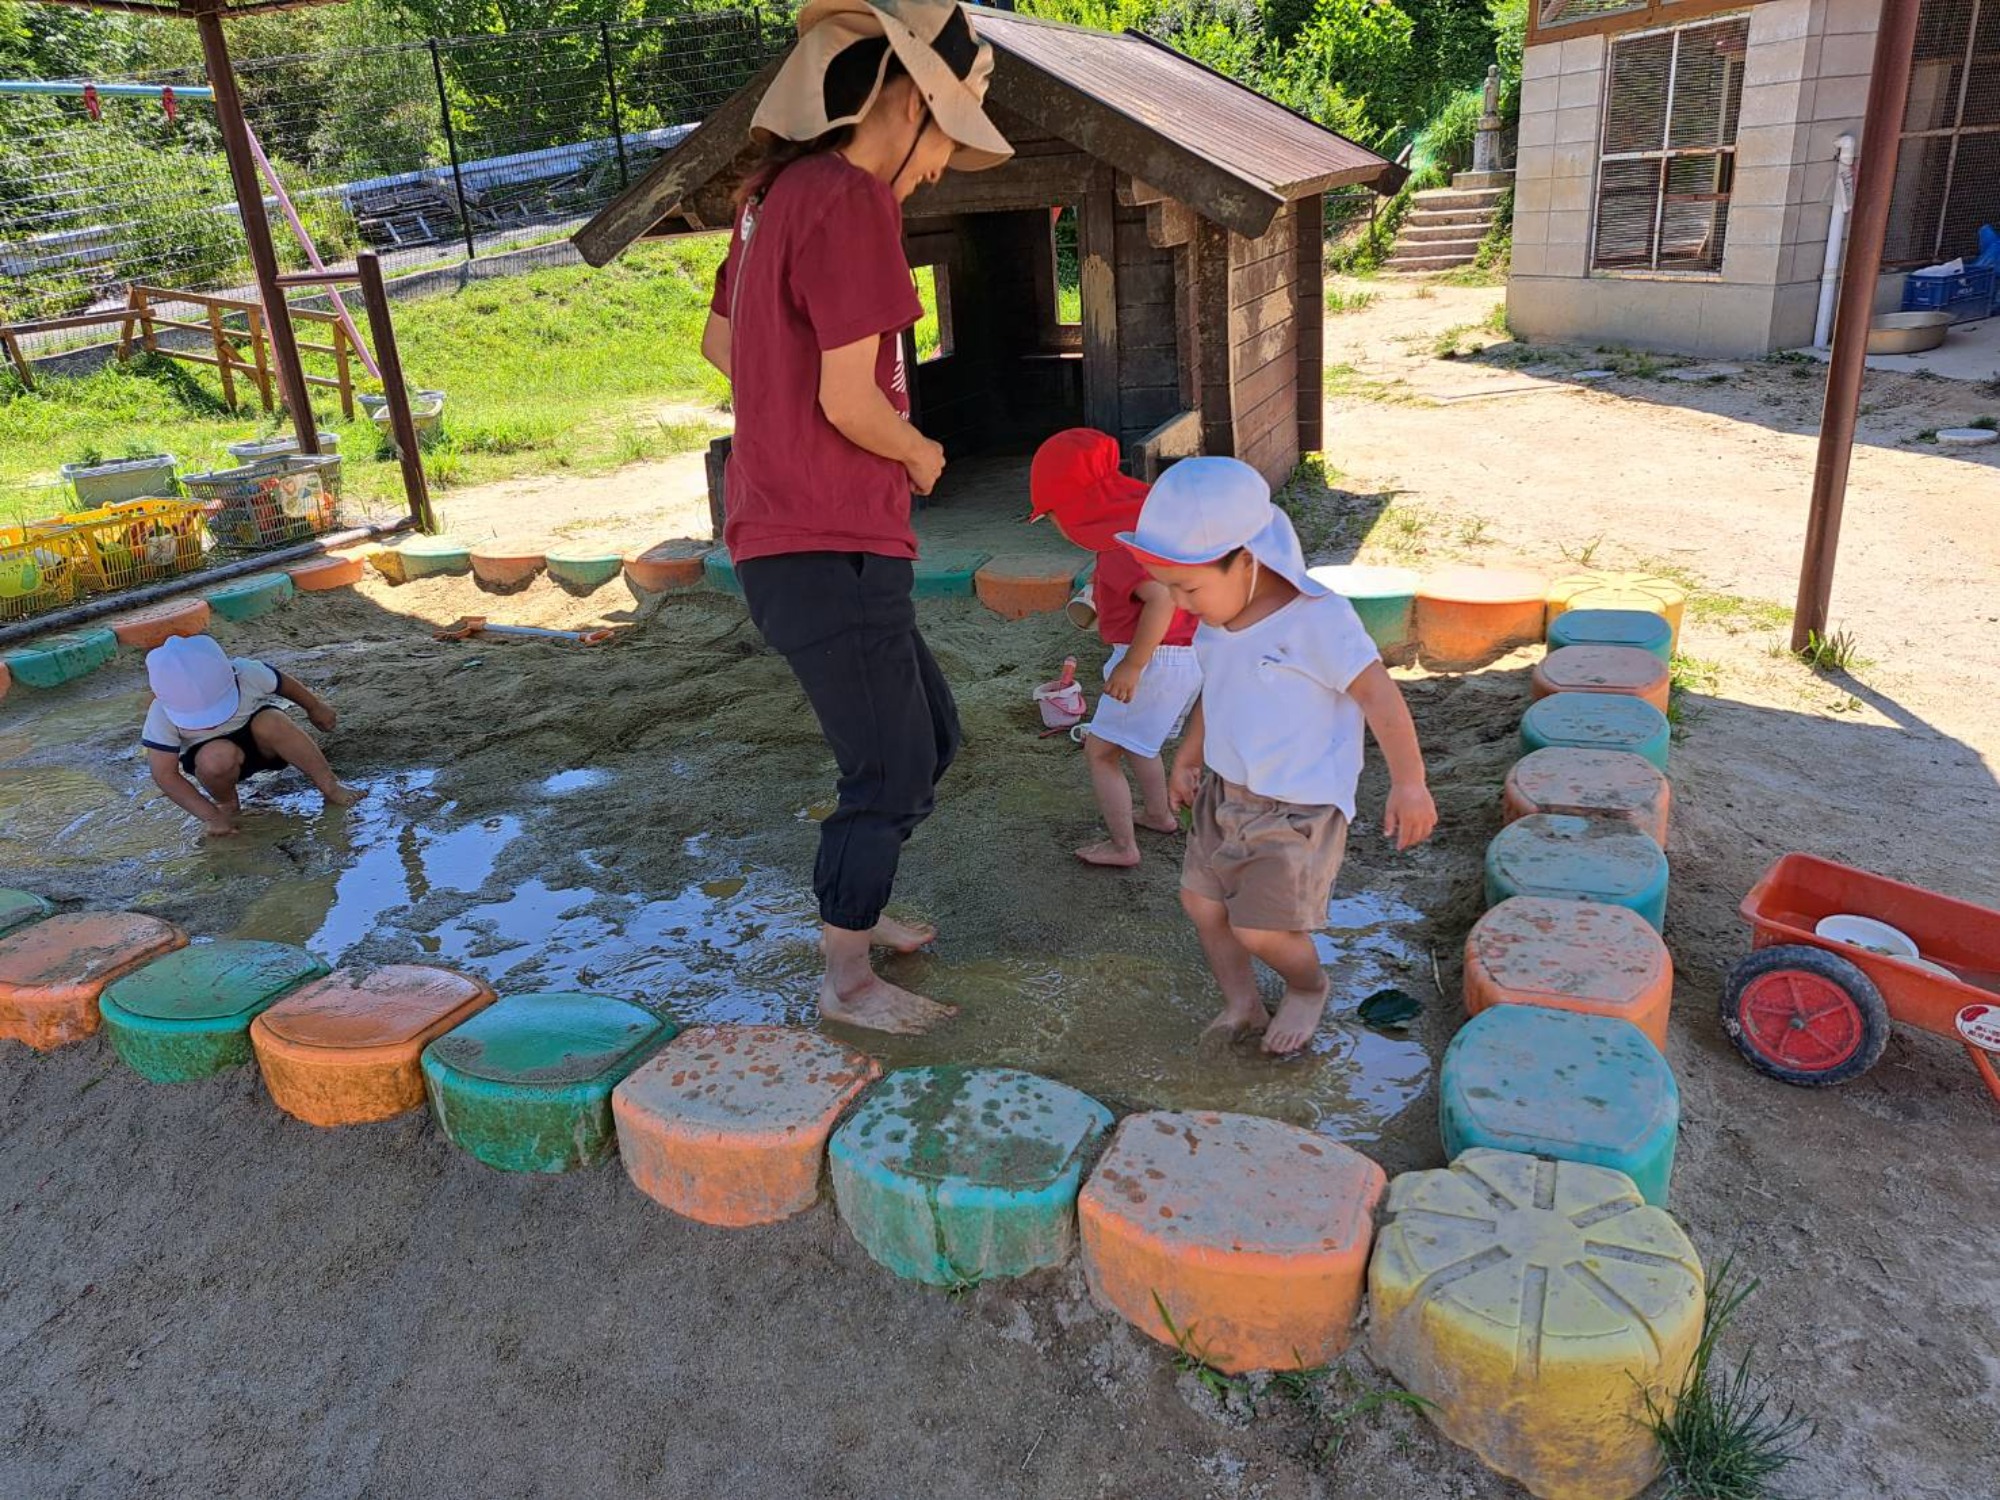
(1444, 226)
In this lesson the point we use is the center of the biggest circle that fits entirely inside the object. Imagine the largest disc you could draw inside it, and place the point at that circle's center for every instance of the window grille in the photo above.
(1948, 169)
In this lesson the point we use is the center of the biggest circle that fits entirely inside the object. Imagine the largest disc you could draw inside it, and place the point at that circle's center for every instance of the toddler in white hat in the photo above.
(1272, 753)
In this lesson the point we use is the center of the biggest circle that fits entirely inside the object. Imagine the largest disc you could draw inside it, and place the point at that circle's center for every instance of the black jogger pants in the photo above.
(846, 624)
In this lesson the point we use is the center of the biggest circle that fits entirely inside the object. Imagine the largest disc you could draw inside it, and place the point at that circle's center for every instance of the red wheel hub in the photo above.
(1800, 1020)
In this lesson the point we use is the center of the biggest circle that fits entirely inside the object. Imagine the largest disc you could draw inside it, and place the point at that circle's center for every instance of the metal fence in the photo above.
(427, 152)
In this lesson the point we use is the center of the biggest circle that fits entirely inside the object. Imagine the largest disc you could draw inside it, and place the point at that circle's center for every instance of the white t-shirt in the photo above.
(256, 688)
(1275, 709)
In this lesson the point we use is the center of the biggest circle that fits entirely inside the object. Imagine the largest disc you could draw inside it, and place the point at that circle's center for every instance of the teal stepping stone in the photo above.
(427, 556)
(525, 1085)
(1597, 721)
(188, 1015)
(248, 598)
(56, 659)
(955, 1175)
(1579, 859)
(1554, 1083)
(946, 572)
(1384, 598)
(719, 572)
(585, 571)
(18, 908)
(1613, 627)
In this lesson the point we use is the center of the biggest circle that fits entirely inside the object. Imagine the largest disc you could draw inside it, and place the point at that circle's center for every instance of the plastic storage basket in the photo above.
(279, 447)
(1966, 296)
(269, 503)
(132, 542)
(38, 570)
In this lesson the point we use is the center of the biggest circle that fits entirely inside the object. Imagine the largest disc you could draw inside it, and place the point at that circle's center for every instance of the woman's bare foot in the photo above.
(1297, 1019)
(343, 795)
(1109, 855)
(1164, 823)
(901, 937)
(881, 1006)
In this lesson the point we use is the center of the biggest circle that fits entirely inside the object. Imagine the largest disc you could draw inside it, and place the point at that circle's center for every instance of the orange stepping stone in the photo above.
(1584, 783)
(153, 627)
(1624, 670)
(344, 1049)
(728, 1124)
(670, 565)
(1470, 616)
(498, 568)
(51, 973)
(1016, 587)
(1580, 956)
(328, 573)
(1253, 1235)
(6, 679)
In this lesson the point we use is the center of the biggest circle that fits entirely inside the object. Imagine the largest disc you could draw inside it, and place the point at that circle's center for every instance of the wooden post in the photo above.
(256, 228)
(401, 426)
(341, 371)
(717, 465)
(148, 340)
(260, 352)
(1097, 246)
(1311, 317)
(224, 356)
(134, 296)
(20, 360)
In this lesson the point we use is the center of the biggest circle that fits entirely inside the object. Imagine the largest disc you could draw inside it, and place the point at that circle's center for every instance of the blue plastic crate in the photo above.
(1966, 296)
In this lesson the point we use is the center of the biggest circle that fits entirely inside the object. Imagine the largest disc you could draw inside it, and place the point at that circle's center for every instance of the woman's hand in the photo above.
(925, 465)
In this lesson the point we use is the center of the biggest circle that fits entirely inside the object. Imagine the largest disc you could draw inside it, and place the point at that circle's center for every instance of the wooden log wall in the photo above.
(1150, 377)
(1264, 347)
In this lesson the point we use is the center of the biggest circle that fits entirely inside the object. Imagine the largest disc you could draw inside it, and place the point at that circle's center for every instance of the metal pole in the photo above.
(404, 429)
(256, 228)
(451, 146)
(611, 89)
(1888, 96)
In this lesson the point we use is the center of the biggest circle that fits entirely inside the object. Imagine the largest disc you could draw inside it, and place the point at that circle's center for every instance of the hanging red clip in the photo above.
(169, 104)
(90, 104)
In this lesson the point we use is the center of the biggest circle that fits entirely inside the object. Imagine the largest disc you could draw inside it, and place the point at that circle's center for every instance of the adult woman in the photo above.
(877, 98)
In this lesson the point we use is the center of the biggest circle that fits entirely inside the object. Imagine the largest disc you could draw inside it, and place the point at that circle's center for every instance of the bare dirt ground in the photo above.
(200, 1296)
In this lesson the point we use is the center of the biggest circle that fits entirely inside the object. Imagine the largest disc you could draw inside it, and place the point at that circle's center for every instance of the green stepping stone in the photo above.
(525, 1085)
(18, 908)
(1579, 859)
(250, 597)
(1597, 721)
(1613, 627)
(719, 571)
(956, 1175)
(424, 556)
(1555, 1083)
(56, 659)
(946, 572)
(1384, 598)
(188, 1015)
(585, 570)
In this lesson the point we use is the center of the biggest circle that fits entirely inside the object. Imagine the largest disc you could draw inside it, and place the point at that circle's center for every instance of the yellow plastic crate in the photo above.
(133, 542)
(38, 571)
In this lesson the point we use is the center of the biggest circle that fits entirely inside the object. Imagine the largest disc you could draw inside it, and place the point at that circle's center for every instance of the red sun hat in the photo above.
(1075, 478)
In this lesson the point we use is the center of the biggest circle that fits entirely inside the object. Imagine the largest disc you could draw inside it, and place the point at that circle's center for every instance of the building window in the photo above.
(1948, 171)
(1668, 155)
(933, 333)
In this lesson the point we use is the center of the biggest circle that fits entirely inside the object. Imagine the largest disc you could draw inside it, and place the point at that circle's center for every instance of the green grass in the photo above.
(1733, 613)
(1839, 652)
(1345, 300)
(561, 369)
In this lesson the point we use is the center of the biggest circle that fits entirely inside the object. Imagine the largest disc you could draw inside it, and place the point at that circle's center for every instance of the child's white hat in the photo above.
(193, 680)
(1203, 509)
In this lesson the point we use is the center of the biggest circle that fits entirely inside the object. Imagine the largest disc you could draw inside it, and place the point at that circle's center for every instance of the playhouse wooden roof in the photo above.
(1230, 154)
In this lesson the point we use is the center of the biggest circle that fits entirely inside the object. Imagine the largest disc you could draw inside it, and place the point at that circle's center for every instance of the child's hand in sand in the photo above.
(1185, 782)
(323, 717)
(1124, 680)
(1410, 815)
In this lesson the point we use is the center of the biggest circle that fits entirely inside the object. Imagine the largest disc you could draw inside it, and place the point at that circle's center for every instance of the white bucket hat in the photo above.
(1203, 509)
(193, 680)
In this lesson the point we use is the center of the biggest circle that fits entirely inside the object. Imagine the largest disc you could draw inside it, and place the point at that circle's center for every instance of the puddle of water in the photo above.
(583, 779)
(55, 815)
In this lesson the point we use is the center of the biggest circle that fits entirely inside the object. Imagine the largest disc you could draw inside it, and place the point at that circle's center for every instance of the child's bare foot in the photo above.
(1109, 855)
(1297, 1019)
(1237, 1021)
(881, 1006)
(1160, 823)
(901, 937)
(343, 795)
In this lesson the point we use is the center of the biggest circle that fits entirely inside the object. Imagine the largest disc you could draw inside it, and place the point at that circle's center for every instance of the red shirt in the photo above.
(1114, 589)
(824, 268)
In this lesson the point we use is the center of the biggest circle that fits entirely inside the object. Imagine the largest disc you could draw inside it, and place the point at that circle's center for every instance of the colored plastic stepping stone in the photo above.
(1613, 627)
(1469, 616)
(1385, 598)
(946, 572)
(188, 1015)
(957, 1175)
(1534, 1305)
(152, 627)
(52, 971)
(248, 598)
(6, 678)
(56, 659)
(503, 568)
(427, 556)
(720, 571)
(1251, 1233)
(525, 1085)
(670, 565)
(344, 1049)
(1563, 1084)
(1597, 721)
(1031, 584)
(1578, 859)
(1590, 784)
(728, 1124)
(18, 908)
(585, 571)
(324, 573)
(1644, 592)
(1577, 956)
(1624, 671)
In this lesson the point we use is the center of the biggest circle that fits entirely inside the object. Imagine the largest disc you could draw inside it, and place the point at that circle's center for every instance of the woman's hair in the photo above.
(849, 78)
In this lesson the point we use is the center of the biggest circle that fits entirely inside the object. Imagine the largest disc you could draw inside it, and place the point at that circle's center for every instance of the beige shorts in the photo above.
(1271, 863)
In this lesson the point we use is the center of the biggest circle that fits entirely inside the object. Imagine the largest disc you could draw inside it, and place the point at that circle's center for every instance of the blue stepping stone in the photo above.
(954, 1175)
(1384, 598)
(188, 1015)
(56, 659)
(1565, 1085)
(719, 571)
(1579, 859)
(946, 572)
(1597, 721)
(1613, 627)
(248, 598)
(18, 908)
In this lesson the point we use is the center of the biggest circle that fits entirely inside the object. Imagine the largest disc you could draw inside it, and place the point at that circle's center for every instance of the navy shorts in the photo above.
(255, 761)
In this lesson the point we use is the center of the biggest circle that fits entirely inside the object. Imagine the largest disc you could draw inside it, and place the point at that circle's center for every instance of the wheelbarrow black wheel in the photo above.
(1804, 1015)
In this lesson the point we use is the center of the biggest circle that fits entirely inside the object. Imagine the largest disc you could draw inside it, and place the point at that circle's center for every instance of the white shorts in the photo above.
(1166, 694)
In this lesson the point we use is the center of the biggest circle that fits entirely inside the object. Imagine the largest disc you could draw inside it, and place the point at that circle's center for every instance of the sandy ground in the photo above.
(204, 1297)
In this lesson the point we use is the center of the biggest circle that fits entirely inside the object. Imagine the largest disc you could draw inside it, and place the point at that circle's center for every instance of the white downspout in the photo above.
(1836, 239)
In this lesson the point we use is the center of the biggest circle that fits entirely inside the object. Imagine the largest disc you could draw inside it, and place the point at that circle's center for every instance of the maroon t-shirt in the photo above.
(823, 268)
(1114, 589)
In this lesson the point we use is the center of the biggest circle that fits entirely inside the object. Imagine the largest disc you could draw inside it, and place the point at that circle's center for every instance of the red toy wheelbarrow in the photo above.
(1814, 1010)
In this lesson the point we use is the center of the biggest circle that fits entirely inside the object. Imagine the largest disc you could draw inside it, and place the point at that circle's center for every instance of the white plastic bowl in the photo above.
(1866, 932)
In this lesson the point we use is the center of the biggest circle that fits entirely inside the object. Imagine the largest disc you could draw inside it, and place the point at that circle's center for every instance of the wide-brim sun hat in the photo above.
(1203, 509)
(934, 41)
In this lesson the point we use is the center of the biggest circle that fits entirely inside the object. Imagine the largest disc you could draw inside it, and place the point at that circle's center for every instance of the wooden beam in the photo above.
(1177, 437)
(1133, 193)
(1025, 182)
(1097, 247)
(1311, 315)
(1211, 332)
(1170, 224)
